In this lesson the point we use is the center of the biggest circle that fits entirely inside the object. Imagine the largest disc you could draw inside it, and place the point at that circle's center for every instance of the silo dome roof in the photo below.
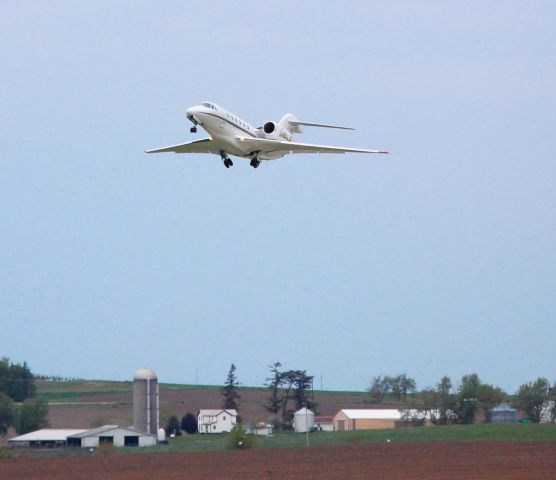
(144, 374)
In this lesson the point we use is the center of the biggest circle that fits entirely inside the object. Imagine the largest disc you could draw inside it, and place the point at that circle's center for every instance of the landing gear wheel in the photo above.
(228, 163)
(255, 163)
(193, 129)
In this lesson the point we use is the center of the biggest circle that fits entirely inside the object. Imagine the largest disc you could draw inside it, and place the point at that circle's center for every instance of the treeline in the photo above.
(16, 380)
(399, 387)
(17, 385)
(57, 378)
(445, 404)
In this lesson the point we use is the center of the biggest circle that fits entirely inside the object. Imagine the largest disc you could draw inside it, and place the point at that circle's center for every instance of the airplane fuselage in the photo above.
(226, 128)
(231, 135)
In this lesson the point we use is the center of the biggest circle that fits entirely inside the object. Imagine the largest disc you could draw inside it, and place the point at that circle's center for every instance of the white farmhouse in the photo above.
(216, 421)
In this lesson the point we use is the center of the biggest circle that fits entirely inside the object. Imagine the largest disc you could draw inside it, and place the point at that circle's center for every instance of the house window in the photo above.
(224, 418)
(214, 427)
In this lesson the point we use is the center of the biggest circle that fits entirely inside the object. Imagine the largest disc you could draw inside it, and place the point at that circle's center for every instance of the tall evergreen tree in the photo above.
(274, 385)
(229, 390)
(16, 380)
(303, 385)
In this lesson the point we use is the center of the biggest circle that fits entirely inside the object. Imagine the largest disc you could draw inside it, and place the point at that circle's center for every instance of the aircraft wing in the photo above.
(206, 145)
(274, 146)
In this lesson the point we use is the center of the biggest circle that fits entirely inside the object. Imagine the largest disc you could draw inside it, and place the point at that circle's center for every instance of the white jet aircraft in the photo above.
(230, 135)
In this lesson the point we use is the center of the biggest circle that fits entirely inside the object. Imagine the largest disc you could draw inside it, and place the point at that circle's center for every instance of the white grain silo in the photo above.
(145, 401)
(303, 420)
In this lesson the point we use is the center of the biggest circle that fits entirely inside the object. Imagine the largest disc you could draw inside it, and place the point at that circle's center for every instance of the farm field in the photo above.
(86, 404)
(388, 461)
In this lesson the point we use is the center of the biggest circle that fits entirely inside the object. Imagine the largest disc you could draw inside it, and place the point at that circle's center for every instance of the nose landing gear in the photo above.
(193, 129)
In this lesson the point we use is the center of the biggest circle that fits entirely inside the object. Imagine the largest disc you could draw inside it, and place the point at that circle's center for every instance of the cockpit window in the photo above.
(209, 105)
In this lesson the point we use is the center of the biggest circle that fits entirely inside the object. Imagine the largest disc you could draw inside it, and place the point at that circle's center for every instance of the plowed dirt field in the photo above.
(414, 461)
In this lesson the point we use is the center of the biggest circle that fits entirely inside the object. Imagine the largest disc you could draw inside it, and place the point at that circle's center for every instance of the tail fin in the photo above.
(293, 125)
(290, 123)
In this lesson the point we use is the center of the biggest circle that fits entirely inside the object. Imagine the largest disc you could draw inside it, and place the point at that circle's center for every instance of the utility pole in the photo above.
(306, 425)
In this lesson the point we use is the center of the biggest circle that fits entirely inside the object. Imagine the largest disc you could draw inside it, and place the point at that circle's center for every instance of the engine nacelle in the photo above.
(275, 131)
(269, 127)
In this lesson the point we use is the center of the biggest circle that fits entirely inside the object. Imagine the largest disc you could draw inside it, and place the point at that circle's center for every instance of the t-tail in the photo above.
(293, 125)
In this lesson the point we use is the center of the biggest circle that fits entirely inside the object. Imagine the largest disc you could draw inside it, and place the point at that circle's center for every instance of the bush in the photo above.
(189, 423)
(32, 415)
(239, 440)
(173, 426)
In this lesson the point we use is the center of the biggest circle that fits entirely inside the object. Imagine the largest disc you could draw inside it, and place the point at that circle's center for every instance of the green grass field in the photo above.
(519, 432)
(215, 442)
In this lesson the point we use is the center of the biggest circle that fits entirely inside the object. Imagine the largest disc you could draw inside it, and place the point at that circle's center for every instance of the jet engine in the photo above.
(269, 127)
(277, 131)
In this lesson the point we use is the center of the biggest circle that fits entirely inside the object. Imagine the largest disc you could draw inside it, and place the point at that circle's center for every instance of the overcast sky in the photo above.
(438, 259)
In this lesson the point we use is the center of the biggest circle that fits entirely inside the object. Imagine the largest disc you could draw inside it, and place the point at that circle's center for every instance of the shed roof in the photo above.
(47, 435)
(503, 407)
(106, 429)
(213, 413)
(324, 419)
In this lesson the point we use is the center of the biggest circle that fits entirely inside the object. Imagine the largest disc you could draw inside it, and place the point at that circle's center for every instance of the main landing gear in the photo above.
(227, 162)
(255, 162)
(193, 129)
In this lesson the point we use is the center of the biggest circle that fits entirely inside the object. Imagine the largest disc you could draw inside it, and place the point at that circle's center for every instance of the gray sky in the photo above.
(439, 259)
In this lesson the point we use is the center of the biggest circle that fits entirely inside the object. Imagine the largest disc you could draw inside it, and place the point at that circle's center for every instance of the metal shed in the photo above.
(47, 437)
(112, 435)
(503, 413)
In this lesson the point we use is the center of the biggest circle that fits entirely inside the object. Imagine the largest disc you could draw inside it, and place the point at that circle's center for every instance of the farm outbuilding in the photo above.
(107, 435)
(303, 420)
(47, 437)
(503, 413)
(324, 424)
(366, 419)
(111, 435)
(261, 429)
